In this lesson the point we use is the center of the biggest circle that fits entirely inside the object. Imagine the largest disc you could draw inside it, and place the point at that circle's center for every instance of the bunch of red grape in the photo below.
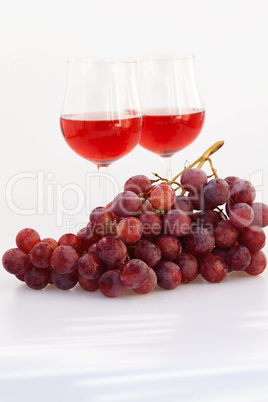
(148, 236)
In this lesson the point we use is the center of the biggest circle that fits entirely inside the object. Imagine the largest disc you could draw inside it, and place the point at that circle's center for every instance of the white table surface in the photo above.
(197, 342)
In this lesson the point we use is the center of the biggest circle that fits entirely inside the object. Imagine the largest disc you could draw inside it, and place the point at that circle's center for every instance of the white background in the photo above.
(53, 338)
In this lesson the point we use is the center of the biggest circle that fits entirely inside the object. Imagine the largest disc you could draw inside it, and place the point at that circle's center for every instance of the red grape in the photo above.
(238, 258)
(223, 253)
(66, 281)
(89, 285)
(64, 260)
(146, 205)
(110, 283)
(101, 219)
(197, 199)
(243, 191)
(226, 234)
(151, 224)
(134, 273)
(176, 223)
(193, 179)
(93, 249)
(40, 255)
(26, 239)
(71, 240)
(139, 184)
(148, 252)
(241, 215)
(260, 214)
(231, 179)
(87, 237)
(149, 285)
(170, 247)
(162, 196)
(184, 204)
(253, 238)
(15, 261)
(168, 274)
(109, 207)
(257, 264)
(200, 241)
(52, 242)
(111, 250)
(37, 278)
(216, 192)
(129, 230)
(90, 266)
(126, 204)
(20, 277)
(213, 268)
(189, 267)
(208, 219)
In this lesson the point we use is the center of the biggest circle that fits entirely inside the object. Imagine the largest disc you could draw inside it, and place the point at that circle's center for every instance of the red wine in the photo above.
(99, 140)
(167, 134)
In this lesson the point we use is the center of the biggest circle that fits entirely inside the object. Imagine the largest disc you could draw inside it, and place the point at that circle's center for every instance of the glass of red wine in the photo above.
(173, 110)
(101, 119)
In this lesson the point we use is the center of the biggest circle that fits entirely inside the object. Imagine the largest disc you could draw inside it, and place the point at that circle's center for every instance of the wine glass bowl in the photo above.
(101, 118)
(171, 103)
(99, 140)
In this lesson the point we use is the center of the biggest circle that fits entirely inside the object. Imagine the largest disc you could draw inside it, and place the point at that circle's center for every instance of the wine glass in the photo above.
(173, 110)
(101, 118)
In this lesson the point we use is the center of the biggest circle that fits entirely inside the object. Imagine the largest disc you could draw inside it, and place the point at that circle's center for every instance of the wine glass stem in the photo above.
(166, 167)
(102, 172)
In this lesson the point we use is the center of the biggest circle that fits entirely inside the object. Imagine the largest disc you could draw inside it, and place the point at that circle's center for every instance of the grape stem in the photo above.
(212, 168)
(221, 211)
(158, 178)
(200, 161)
